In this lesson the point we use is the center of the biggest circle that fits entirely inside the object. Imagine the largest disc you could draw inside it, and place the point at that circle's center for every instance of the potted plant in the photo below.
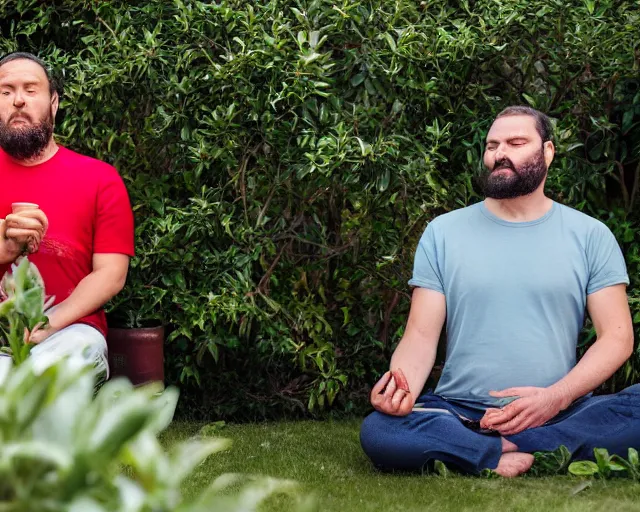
(136, 332)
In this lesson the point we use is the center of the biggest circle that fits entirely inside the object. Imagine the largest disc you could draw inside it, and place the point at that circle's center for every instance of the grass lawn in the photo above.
(325, 457)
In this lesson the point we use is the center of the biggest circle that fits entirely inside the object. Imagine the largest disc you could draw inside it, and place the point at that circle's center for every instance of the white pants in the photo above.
(77, 341)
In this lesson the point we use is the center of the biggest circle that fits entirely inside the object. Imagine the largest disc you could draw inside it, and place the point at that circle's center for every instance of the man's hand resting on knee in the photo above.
(534, 408)
(391, 394)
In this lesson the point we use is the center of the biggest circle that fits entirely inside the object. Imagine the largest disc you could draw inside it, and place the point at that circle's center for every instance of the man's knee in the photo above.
(379, 439)
(371, 432)
(73, 339)
(78, 341)
(632, 390)
(390, 442)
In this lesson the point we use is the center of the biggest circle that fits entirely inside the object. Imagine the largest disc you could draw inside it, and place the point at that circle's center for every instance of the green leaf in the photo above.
(573, 146)
(131, 495)
(117, 425)
(310, 57)
(390, 41)
(88, 39)
(356, 80)
(365, 147)
(602, 461)
(345, 313)
(551, 463)
(583, 468)
(617, 466)
(36, 453)
(180, 281)
(298, 14)
(383, 180)
(530, 100)
(627, 120)
(590, 4)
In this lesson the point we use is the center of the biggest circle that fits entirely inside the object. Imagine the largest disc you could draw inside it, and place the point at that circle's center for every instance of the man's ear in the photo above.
(549, 152)
(55, 103)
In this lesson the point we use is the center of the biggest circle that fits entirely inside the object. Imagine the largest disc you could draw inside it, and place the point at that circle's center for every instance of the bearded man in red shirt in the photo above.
(77, 225)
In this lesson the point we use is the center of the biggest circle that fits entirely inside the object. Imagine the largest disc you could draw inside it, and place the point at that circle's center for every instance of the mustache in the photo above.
(19, 115)
(505, 163)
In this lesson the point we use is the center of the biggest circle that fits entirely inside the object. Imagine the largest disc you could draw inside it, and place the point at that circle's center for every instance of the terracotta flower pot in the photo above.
(137, 353)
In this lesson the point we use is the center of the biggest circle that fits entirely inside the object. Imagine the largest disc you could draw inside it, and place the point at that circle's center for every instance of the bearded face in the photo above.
(506, 181)
(24, 139)
(516, 159)
(27, 109)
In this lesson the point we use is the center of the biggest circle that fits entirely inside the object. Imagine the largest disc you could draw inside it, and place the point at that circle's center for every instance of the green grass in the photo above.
(325, 457)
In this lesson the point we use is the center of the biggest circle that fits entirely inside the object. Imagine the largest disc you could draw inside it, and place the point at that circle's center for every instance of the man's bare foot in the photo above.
(514, 464)
(508, 446)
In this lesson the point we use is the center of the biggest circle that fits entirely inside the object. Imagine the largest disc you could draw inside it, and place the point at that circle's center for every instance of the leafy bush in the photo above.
(283, 158)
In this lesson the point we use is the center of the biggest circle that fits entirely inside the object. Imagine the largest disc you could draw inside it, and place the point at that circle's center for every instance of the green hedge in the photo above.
(284, 157)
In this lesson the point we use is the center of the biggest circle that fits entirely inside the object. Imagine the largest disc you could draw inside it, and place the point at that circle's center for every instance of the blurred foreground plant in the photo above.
(63, 447)
(23, 308)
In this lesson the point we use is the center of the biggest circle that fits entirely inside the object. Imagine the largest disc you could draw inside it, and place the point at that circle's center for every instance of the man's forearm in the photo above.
(599, 363)
(415, 356)
(93, 292)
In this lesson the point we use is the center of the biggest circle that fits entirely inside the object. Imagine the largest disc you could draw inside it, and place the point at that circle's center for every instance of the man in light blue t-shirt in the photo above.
(512, 277)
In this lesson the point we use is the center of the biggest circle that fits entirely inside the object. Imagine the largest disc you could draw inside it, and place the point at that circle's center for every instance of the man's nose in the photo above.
(18, 99)
(499, 153)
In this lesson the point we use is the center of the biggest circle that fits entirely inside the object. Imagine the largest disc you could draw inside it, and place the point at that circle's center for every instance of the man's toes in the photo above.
(526, 462)
(514, 464)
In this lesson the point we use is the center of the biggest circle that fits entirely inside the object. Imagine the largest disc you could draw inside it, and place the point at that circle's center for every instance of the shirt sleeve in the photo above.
(605, 259)
(114, 227)
(426, 272)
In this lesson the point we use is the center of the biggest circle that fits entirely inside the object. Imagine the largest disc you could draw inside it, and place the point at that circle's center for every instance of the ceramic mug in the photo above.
(19, 207)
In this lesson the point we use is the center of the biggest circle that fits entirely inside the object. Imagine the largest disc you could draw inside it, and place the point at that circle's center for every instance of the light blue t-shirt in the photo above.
(515, 292)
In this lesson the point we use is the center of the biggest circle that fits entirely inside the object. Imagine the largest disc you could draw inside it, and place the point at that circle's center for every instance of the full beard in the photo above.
(521, 182)
(26, 143)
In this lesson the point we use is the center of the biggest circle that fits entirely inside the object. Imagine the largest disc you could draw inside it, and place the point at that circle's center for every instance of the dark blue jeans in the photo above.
(412, 441)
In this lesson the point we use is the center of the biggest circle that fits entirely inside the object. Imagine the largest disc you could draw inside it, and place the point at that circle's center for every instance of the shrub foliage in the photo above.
(283, 158)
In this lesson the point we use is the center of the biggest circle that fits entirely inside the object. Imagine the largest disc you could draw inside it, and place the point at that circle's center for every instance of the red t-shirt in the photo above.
(89, 212)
